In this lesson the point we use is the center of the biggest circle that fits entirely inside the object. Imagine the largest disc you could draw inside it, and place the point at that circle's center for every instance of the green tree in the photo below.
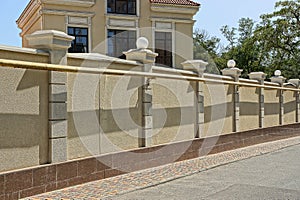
(271, 44)
(242, 47)
(206, 48)
(279, 35)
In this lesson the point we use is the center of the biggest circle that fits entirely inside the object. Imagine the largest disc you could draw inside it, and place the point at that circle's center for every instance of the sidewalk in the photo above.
(271, 176)
(159, 175)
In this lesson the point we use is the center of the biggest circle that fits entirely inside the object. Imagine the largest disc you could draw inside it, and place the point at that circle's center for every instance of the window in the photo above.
(121, 6)
(120, 41)
(163, 46)
(80, 43)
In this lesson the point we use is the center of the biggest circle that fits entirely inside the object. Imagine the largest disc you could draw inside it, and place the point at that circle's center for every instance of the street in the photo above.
(270, 176)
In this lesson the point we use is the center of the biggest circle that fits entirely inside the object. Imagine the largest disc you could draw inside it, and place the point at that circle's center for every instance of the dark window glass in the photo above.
(163, 46)
(121, 6)
(120, 41)
(80, 44)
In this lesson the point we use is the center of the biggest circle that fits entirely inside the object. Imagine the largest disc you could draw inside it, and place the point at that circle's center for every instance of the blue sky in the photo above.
(212, 15)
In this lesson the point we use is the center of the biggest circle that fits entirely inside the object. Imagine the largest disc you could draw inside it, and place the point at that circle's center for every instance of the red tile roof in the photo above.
(176, 2)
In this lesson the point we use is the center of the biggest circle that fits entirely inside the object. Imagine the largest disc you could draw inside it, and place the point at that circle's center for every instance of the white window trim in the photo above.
(118, 28)
(137, 9)
(88, 26)
(154, 29)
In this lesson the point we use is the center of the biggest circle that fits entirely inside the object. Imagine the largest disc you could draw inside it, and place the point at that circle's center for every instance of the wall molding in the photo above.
(67, 12)
(78, 3)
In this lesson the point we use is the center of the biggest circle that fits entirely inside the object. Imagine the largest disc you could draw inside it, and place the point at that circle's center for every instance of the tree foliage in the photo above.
(271, 44)
(206, 48)
(278, 34)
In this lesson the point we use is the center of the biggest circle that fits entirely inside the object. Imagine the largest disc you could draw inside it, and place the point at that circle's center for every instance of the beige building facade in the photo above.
(112, 26)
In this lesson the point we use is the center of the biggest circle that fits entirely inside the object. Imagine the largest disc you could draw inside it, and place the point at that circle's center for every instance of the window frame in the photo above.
(167, 62)
(87, 36)
(114, 10)
(117, 32)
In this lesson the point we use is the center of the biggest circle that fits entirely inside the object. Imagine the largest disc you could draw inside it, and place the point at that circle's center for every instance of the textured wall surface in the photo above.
(23, 118)
(289, 107)
(272, 108)
(249, 108)
(105, 111)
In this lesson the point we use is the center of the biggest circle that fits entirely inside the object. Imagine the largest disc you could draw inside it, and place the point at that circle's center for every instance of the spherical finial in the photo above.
(277, 73)
(142, 43)
(231, 63)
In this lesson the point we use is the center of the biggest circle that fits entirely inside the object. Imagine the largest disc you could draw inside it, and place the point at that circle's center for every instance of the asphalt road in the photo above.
(271, 176)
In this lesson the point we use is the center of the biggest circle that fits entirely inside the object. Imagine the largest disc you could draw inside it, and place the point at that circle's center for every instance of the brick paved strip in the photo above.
(150, 177)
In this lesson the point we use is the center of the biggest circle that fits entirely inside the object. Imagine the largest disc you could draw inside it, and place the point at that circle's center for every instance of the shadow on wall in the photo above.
(23, 118)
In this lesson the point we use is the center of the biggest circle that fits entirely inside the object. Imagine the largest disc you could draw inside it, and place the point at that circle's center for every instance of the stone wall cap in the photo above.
(45, 33)
(233, 69)
(101, 58)
(278, 79)
(195, 62)
(290, 85)
(232, 72)
(142, 55)
(295, 82)
(257, 73)
(257, 76)
(148, 51)
(49, 40)
(198, 66)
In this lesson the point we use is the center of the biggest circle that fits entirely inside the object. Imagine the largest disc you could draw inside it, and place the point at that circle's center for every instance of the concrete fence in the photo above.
(82, 105)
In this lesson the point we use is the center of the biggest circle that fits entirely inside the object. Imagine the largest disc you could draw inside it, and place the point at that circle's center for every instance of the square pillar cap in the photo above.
(295, 82)
(278, 79)
(144, 56)
(198, 66)
(50, 40)
(260, 76)
(232, 72)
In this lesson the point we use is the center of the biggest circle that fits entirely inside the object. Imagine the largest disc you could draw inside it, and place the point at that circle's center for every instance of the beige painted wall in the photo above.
(218, 109)
(13, 53)
(23, 118)
(34, 27)
(104, 111)
(289, 107)
(53, 22)
(249, 108)
(271, 108)
(173, 111)
(184, 43)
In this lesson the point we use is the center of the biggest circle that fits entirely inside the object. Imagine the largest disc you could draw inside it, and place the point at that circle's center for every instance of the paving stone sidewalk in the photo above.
(146, 178)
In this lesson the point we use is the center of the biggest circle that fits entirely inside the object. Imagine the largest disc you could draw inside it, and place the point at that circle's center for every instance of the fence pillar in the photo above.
(277, 78)
(147, 58)
(235, 73)
(199, 67)
(260, 77)
(296, 83)
(57, 44)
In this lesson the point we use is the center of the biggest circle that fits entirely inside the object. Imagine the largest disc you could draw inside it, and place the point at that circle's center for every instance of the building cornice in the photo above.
(67, 12)
(78, 3)
(32, 7)
(170, 8)
(29, 23)
(176, 20)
